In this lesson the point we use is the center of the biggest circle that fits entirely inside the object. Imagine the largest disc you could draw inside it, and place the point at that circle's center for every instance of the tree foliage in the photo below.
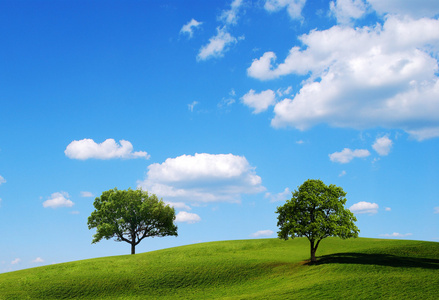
(316, 211)
(130, 216)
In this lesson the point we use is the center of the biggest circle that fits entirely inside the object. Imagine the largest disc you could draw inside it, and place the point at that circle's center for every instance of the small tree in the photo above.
(316, 211)
(130, 216)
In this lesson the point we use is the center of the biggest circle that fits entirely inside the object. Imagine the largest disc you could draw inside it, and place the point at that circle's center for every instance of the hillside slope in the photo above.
(247, 269)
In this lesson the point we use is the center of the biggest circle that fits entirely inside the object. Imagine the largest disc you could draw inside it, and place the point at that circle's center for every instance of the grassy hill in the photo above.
(248, 269)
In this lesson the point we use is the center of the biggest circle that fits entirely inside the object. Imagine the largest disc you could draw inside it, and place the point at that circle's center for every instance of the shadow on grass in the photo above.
(380, 260)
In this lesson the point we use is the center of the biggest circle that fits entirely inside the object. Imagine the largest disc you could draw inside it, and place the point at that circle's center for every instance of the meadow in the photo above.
(359, 268)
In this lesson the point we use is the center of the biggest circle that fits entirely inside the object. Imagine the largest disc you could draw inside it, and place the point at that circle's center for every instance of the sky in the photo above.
(221, 108)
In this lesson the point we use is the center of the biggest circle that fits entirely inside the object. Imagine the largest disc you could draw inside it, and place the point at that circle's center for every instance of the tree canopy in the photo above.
(316, 211)
(130, 216)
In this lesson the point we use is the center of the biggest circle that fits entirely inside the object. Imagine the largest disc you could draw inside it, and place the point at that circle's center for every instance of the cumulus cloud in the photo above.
(202, 178)
(259, 102)
(396, 234)
(282, 196)
(382, 145)
(294, 7)
(346, 155)
(217, 45)
(413, 8)
(189, 27)
(87, 148)
(364, 207)
(38, 260)
(262, 233)
(58, 199)
(15, 261)
(185, 217)
(347, 10)
(2, 180)
(365, 77)
(87, 194)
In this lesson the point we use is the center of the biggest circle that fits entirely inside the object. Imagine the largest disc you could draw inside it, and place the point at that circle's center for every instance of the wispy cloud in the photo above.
(294, 7)
(262, 233)
(396, 234)
(282, 196)
(346, 155)
(217, 44)
(85, 194)
(2, 180)
(190, 27)
(192, 105)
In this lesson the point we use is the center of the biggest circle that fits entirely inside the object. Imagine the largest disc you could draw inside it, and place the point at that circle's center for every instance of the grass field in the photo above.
(247, 269)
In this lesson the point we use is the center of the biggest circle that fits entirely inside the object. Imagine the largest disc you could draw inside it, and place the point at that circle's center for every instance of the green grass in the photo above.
(248, 269)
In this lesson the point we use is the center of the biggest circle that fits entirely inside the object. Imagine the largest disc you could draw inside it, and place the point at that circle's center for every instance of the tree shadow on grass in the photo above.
(380, 260)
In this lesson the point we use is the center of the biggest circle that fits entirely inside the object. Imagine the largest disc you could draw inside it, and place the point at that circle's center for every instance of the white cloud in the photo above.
(15, 261)
(387, 209)
(192, 105)
(2, 180)
(264, 233)
(413, 8)
(185, 217)
(294, 7)
(343, 173)
(87, 148)
(189, 27)
(217, 45)
(364, 207)
(285, 91)
(347, 10)
(87, 194)
(380, 76)
(259, 102)
(58, 199)
(285, 195)
(230, 17)
(178, 205)
(346, 155)
(436, 210)
(396, 234)
(202, 178)
(38, 260)
(382, 145)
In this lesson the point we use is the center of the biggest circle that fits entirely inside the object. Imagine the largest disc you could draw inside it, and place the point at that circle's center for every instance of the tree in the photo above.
(316, 211)
(130, 216)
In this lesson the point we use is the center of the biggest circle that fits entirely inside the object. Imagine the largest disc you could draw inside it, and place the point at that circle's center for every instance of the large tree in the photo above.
(316, 211)
(130, 216)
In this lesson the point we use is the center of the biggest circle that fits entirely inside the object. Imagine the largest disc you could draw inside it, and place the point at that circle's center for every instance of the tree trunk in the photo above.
(313, 251)
(133, 248)
(313, 255)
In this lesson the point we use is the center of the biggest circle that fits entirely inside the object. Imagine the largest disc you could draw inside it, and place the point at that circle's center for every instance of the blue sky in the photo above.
(221, 108)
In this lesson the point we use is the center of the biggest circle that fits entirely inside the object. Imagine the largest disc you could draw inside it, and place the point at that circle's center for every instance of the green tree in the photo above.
(130, 216)
(316, 211)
